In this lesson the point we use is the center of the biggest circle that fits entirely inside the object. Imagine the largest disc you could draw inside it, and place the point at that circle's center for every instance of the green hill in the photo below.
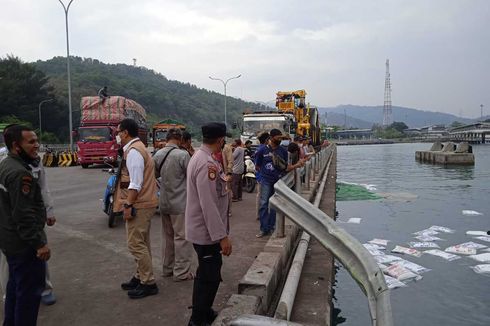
(162, 98)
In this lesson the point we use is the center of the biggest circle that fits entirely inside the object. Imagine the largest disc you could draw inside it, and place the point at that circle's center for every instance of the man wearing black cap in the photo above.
(206, 221)
(268, 162)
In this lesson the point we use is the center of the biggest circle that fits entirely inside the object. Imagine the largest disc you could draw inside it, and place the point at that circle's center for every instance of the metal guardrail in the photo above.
(350, 252)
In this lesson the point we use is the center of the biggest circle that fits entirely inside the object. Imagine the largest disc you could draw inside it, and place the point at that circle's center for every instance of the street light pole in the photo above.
(224, 85)
(66, 8)
(40, 126)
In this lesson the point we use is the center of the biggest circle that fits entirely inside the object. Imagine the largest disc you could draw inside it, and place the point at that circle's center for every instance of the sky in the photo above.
(335, 50)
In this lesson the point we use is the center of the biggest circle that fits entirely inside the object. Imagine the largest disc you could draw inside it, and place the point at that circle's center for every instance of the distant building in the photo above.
(434, 131)
(353, 134)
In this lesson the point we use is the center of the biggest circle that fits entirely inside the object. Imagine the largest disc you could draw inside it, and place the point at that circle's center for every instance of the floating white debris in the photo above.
(401, 273)
(393, 283)
(375, 252)
(416, 268)
(354, 220)
(426, 238)
(484, 238)
(471, 213)
(441, 229)
(461, 250)
(442, 254)
(484, 258)
(408, 251)
(423, 245)
(473, 245)
(380, 242)
(426, 232)
(369, 187)
(386, 259)
(373, 246)
(480, 269)
(476, 233)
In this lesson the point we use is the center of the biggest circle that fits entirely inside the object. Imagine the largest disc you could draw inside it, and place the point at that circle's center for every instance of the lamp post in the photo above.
(40, 126)
(66, 8)
(224, 85)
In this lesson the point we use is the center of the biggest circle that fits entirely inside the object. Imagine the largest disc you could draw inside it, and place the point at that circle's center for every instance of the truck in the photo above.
(96, 143)
(160, 130)
(292, 116)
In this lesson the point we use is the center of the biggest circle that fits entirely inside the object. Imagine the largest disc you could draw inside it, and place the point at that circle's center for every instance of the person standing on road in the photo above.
(136, 197)
(22, 220)
(227, 159)
(271, 161)
(238, 169)
(187, 143)
(263, 138)
(207, 221)
(171, 166)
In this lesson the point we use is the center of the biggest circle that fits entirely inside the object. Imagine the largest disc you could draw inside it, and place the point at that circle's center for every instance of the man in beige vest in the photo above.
(136, 198)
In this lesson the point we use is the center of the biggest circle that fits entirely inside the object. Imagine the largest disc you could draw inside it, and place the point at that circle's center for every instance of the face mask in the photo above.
(118, 139)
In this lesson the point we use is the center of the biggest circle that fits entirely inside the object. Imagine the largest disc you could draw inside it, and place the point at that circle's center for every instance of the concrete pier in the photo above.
(447, 154)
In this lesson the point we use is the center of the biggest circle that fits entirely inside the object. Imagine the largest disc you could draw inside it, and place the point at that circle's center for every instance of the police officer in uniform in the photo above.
(206, 221)
(22, 220)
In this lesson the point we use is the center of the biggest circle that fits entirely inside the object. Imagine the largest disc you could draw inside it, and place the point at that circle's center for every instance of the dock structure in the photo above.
(447, 154)
(477, 133)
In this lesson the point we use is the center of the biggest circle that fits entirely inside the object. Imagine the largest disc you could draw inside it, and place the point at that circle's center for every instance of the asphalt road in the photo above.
(90, 260)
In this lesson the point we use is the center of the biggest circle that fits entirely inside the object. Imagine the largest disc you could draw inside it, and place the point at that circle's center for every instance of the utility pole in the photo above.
(40, 125)
(70, 124)
(224, 85)
(481, 112)
(134, 62)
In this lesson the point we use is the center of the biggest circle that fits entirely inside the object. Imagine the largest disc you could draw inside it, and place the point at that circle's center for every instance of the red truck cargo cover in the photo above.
(113, 108)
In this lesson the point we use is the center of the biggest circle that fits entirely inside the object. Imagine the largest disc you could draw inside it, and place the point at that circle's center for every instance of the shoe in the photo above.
(188, 277)
(48, 299)
(191, 323)
(143, 290)
(262, 234)
(131, 285)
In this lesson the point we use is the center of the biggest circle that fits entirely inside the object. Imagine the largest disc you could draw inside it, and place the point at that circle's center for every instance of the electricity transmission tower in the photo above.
(387, 112)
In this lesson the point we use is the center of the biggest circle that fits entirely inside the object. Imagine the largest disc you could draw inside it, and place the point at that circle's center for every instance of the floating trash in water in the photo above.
(442, 254)
(386, 259)
(484, 258)
(461, 250)
(398, 196)
(476, 233)
(423, 245)
(416, 268)
(375, 252)
(471, 213)
(426, 232)
(401, 273)
(481, 269)
(354, 220)
(373, 246)
(427, 238)
(441, 229)
(354, 191)
(473, 245)
(393, 283)
(484, 238)
(380, 242)
(369, 187)
(408, 251)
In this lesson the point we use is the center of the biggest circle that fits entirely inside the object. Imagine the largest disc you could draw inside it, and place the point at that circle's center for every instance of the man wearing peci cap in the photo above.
(206, 221)
(270, 172)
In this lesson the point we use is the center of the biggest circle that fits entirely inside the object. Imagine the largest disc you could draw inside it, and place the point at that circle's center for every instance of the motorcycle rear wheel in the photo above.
(249, 184)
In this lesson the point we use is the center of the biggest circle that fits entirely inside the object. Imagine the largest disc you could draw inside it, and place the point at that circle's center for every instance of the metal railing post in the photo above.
(280, 225)
(297, 181)
(307, 174)
(313, 163)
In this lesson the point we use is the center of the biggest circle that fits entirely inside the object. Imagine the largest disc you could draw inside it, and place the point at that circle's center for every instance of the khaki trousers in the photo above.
(138, 237)
(176, 250)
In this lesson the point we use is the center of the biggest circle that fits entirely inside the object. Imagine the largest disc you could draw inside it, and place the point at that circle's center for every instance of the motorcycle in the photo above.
(248, 177)
(108, 199)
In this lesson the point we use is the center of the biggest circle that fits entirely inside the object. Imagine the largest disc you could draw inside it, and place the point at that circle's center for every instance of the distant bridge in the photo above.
(475, 133)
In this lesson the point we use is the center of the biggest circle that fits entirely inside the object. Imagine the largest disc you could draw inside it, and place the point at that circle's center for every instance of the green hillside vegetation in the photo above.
(24, 85)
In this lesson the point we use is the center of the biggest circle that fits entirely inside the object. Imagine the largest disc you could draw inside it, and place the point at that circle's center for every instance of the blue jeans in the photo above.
(267, 216)
(26, 283)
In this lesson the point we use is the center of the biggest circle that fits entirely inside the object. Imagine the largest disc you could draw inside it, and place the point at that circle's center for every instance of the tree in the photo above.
(456, 124)
(399, 126)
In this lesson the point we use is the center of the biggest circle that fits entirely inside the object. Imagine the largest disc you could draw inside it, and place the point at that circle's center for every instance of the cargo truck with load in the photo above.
(292, 116)
(160, 130)
(98, 124)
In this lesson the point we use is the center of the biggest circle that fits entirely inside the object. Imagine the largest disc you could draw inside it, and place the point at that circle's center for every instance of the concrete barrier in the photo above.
(238, 305)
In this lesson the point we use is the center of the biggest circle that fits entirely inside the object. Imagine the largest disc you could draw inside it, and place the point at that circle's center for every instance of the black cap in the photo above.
(213, 130)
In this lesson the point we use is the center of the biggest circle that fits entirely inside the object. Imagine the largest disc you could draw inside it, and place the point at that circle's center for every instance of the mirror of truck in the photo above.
(74, 134)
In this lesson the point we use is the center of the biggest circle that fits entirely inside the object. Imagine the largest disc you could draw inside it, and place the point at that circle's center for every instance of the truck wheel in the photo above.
(84, 165)
(112, 215)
